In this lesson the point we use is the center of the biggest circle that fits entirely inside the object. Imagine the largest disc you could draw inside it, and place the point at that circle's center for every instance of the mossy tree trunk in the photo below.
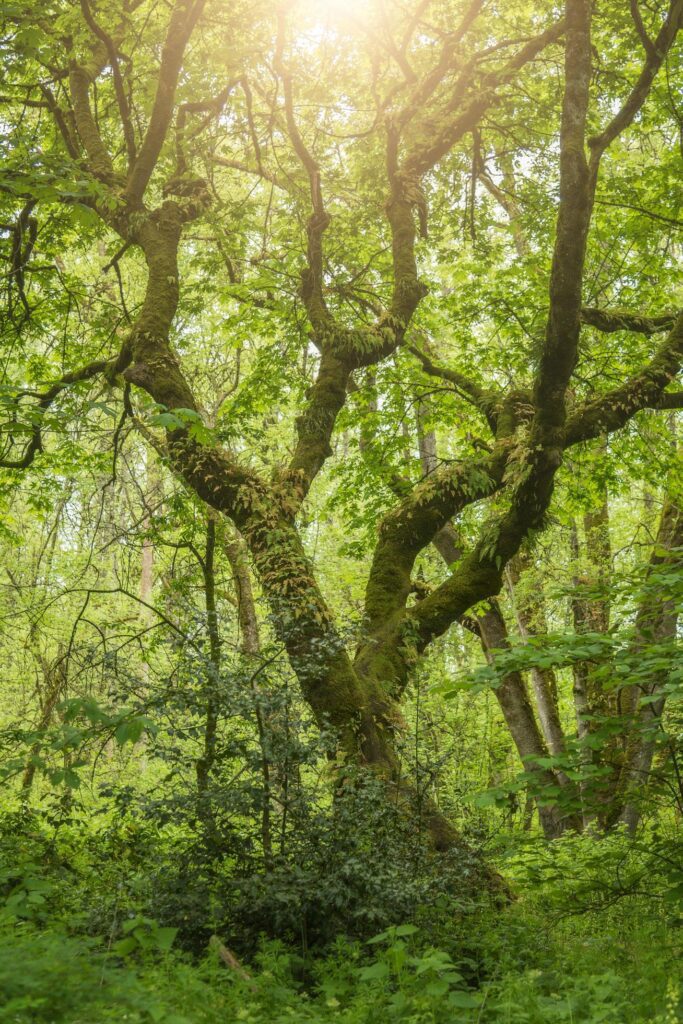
(359, 695)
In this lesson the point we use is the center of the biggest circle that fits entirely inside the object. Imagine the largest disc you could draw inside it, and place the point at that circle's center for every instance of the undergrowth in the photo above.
(593, 937)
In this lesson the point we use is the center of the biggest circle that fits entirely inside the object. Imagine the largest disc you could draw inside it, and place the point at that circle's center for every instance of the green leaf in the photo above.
(125, 946)
(465, 1000)
(374, 972)
(164, 937)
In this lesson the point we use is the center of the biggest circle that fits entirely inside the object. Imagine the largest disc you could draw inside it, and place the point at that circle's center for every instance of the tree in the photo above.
(157, 131)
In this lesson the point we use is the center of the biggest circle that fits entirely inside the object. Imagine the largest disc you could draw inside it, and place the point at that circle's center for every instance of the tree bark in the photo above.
(511, 694)
(250, 646)
(531, 620)
(54, 687)
(656, 621)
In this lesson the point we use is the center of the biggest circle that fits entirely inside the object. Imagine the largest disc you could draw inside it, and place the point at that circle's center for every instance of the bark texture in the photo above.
(530, 429)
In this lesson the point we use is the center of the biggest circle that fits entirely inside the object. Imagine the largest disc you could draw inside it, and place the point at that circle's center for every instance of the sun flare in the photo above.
(339, 10)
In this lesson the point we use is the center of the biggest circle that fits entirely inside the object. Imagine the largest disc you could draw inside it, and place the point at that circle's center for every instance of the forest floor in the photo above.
(593, 937)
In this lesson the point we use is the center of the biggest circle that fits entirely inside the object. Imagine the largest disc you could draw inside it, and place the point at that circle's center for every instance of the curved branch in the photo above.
(642, 391)
(431, 81)
(412, 525)
(481, 398)
(656, 52)
(479, 574)
(211, 108)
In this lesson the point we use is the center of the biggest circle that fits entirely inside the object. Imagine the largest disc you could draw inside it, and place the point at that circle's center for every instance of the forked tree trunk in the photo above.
(511, 694)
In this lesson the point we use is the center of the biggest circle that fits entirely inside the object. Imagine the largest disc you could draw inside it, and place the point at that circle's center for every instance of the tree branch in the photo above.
(98, 156)
(46, 398)
(183, 19)
(479, 574)
(655, 57)
(642, 391)
(312, 277)
(481, 398)
(119, 89)
(610, 320)
(648, 44)
(670, 400)
(421, 159)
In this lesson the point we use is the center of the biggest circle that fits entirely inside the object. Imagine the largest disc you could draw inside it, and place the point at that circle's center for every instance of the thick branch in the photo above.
(414, 523)
(99, 159)
(672, 400)
(119, 88)
(479, 574)
(610, 320)
(182, 22)
(648, 44)
(316, 423)
(642, 391)
(562, 330)
(488, 93)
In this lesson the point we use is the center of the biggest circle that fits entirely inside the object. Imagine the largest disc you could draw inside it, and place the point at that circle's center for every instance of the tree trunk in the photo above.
(250, 646)
(514, 702)
(656, 622)
(512, 695)
(54, 686)
(593, 704)
(211, 688)
(531, 621)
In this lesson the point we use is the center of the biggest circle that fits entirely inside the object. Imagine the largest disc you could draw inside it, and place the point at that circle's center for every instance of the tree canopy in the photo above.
(340, 383)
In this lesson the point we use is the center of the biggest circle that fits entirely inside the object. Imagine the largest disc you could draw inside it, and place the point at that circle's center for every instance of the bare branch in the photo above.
(46, 398)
